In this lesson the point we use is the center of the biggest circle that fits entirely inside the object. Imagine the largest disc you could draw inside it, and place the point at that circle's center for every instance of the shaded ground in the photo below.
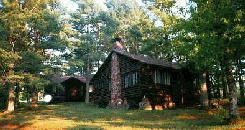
(81, 116)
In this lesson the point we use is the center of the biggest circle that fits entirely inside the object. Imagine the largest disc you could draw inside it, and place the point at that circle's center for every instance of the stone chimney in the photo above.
(116, 96)
(118, 45)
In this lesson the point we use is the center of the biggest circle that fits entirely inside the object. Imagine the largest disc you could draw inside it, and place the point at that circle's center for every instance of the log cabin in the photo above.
(74, 88)
(127, 79)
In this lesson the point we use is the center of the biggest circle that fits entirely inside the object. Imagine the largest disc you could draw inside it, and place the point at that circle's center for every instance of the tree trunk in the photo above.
(204, 90)
(181, 84)
(210, 87)
(241, 83)
(11, 98)
(28, 98)
(224, 85)
(17, 96)
(233, 109)
(34, 98)
(218, 91)
(223, 79)
(87, 92)
(87, 83)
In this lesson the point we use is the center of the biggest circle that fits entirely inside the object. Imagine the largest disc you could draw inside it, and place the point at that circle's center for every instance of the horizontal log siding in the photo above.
(151, 89)
(145, 84)
(133, 94)
(101, 94)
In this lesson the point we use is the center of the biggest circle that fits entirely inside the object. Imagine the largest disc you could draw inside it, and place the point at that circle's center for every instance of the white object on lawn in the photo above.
(47, 98)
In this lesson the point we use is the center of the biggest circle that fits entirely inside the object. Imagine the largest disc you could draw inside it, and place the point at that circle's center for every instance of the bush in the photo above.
(54, 89)
(221, 113)
(219, 103)
(241, 101)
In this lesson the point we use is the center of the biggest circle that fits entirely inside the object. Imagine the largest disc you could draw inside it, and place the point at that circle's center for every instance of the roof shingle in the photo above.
(149, 60)
(60, 79)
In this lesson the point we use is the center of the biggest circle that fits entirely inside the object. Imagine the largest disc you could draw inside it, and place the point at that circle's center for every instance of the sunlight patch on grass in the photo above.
(82, 116)
(52, 123)
(187, 117)
(130, 113)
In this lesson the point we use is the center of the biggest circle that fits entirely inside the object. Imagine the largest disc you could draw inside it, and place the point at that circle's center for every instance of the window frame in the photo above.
(130, 79)
(162, 77)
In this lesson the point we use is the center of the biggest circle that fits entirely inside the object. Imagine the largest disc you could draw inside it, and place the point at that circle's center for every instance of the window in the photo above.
(126, 81)
(109, 84)
(134, 78)
(162, 77)
(130, 79)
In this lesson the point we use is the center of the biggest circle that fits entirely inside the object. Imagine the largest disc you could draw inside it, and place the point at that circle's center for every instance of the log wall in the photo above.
(181, 84)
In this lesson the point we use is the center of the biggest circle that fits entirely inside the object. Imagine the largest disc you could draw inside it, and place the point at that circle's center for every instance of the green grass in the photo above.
(82, 116)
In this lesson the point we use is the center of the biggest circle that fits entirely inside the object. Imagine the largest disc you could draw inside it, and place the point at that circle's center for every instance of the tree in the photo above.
(240, 67)
(44, 28)
(129, 15)
(28, 29)
(12, 32)
(213, 37)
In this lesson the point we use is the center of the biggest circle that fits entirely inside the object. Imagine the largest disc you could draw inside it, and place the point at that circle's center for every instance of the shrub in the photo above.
(221, 113)
(219, 103)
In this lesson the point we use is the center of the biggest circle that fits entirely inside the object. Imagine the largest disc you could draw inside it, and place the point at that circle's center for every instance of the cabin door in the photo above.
(75, 93)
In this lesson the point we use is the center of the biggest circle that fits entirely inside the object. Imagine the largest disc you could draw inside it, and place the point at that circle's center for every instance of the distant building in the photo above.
(74, 88)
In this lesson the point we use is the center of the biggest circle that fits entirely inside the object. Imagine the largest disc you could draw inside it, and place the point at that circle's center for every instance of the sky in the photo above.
(71, 6)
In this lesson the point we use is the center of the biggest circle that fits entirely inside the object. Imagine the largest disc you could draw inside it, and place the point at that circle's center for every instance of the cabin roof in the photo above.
(60, 79)
(149, 60)
(140, 58)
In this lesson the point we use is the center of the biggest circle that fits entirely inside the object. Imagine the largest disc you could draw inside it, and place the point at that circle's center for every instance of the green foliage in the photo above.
(93, 30)
(7, 58)
(209, 32)
(39, 82)
(221, 114)
(31, 62)
(54, 89)
(28, 29)
(211, 42)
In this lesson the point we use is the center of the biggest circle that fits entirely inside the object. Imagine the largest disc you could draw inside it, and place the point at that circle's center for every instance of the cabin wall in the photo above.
(132, 92)
(156, 92)
(101, 83)
(145, 85)
(141, 75)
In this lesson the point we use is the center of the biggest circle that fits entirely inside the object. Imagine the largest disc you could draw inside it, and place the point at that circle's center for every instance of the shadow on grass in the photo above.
(18, 119)
(82, 116)
(135, 118)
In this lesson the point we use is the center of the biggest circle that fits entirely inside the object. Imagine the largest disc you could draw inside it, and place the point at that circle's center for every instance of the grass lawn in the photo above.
(81, 116)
